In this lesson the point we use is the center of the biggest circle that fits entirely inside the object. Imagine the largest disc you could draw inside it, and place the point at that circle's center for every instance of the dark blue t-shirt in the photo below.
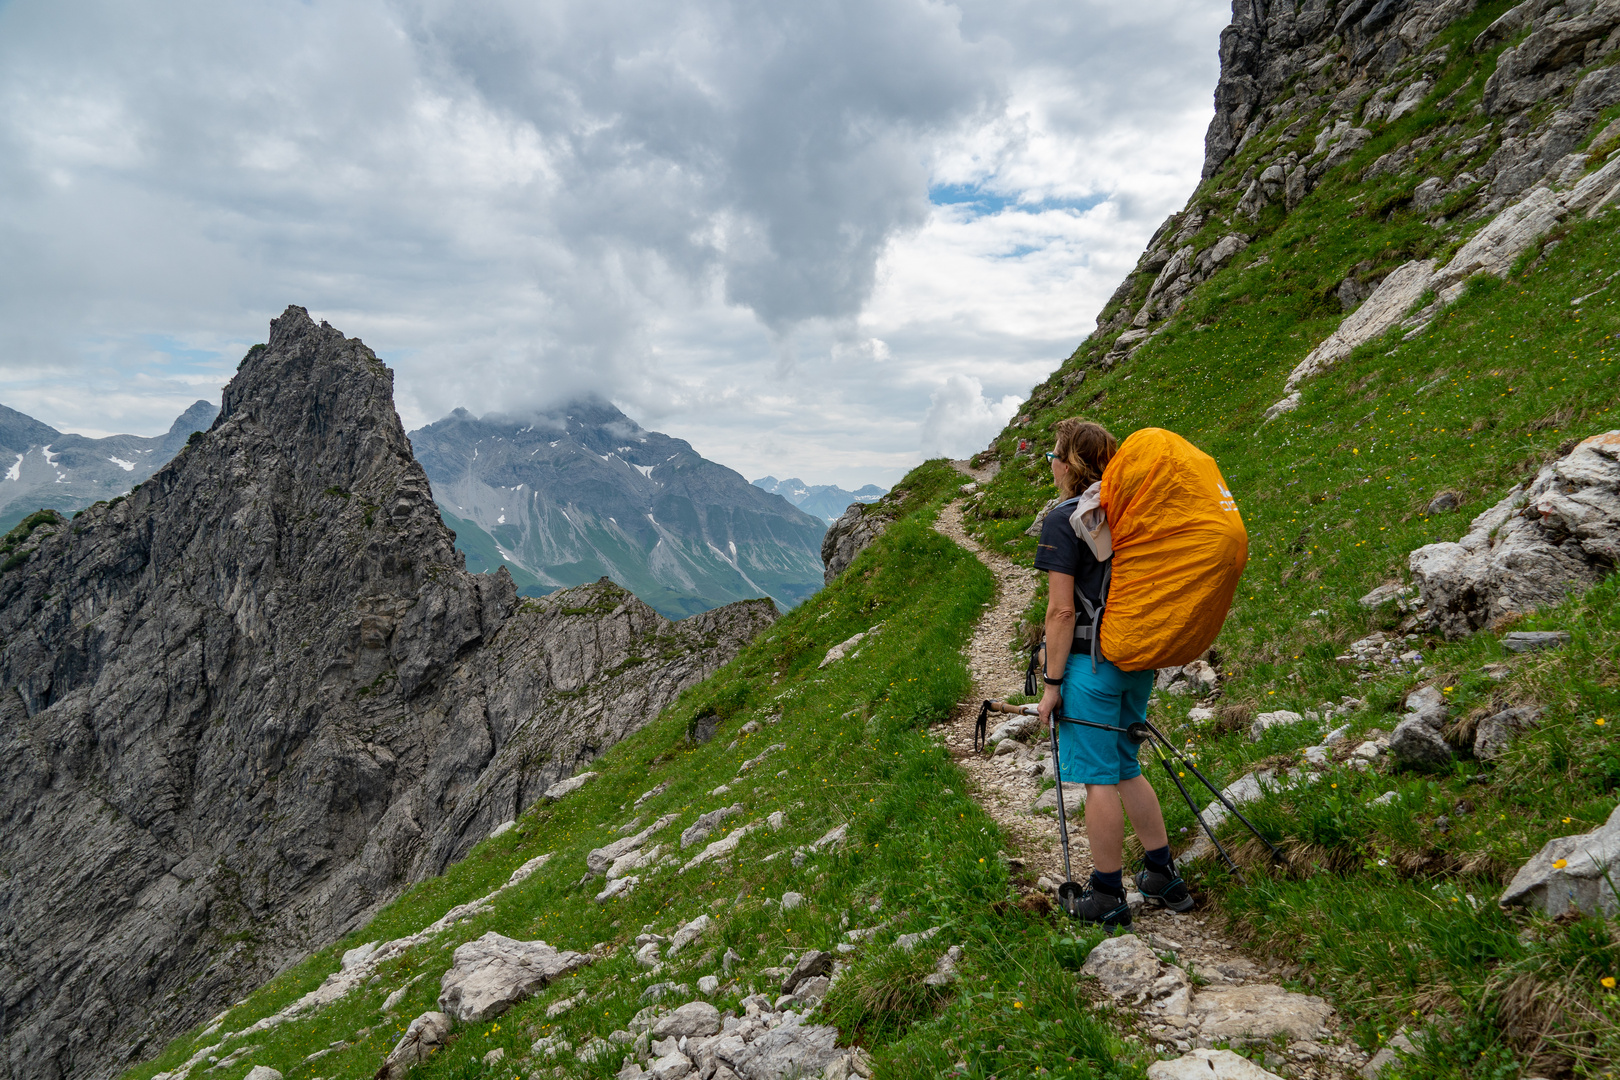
(1062, 551)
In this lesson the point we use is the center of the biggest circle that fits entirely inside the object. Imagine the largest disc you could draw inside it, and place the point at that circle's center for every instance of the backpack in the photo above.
(1179, 548)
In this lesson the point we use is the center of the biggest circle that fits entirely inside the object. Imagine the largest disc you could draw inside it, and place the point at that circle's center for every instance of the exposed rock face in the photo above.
(493, 973)
(1560, 534)
(582, 492)
(248, 704)
(847, 537)
(1353, 67)
(1571, 873)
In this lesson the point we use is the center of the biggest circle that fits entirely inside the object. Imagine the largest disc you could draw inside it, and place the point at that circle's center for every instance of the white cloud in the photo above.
(718, 215)
(961, 421)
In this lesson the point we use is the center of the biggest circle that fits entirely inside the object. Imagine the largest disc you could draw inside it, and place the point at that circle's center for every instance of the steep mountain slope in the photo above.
(47, 469)
(249, 703)
(583, 492)
(825, 501)
(1387, 902)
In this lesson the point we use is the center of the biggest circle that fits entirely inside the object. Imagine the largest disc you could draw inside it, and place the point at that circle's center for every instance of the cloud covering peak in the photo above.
(787, 233)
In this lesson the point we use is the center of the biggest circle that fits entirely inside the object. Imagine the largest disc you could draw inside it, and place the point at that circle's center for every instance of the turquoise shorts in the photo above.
(1088, 755)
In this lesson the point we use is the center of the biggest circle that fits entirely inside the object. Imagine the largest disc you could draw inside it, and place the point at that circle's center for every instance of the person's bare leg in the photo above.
(1105, 827)
(1142, 806)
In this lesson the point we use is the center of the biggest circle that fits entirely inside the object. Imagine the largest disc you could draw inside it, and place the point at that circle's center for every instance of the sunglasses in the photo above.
(1051, 455)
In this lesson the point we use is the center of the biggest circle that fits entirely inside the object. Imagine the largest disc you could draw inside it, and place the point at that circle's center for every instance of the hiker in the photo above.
(1103, 760)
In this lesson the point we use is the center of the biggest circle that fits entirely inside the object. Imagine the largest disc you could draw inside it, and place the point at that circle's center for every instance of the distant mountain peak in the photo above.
(826, 501)
(579, 491)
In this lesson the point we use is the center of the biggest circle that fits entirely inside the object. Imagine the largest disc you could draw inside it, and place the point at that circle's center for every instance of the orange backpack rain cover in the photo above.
(1179, 549)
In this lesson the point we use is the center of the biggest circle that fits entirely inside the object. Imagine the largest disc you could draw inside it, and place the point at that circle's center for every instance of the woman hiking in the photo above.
(1103, 760)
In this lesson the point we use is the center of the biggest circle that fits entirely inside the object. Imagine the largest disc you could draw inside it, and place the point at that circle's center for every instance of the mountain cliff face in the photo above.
(47, 469)
(250, 702)
(584, 492)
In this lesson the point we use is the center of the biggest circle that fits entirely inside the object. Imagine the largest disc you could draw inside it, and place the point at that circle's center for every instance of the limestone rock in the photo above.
(262, 1072)
(1539, 543)
(790, 1050)
(423, 1036)
(1534, 640)
(1257, 1012)
(1416, 742)
(1268, 720)
(692, 1020)
(1387, 1055)
(812, 963)
(492, 973)
(310, 692)
(1383, 309)
(599, 860)
(568, 786)
(1123, 965)
(706, 823)
(1581, 884)
(689, 933)
(1497, 731)
(1209, 1065)
(1074, 801)
(850, 535)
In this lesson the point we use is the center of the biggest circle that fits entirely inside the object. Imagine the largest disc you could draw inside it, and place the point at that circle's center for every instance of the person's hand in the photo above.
(1050, 700)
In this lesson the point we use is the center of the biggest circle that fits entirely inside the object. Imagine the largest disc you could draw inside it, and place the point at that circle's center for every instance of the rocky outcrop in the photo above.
(489, 975)
(248, 704)
(1556, 535)
(1571, 873)
(850, 535)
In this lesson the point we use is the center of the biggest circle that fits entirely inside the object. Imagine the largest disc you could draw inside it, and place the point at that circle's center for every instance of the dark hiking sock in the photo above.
(1159, 859)
(1113, 882)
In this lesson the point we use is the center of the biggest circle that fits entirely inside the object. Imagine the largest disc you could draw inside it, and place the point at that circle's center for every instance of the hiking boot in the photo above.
(1165, 888)
(1100, 908)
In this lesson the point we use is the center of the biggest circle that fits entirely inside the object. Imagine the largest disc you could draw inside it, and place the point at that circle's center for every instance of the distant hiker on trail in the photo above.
(1098, 692)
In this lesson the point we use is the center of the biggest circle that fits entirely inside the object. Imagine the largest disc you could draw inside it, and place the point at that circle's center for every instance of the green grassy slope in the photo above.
(856, 752)
(1391, 910)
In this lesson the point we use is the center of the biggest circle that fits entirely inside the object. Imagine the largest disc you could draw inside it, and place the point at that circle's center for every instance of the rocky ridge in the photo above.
(252, 701)
(566, 495)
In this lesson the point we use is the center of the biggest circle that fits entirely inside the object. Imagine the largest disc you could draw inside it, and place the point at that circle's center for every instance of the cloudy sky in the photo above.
(825, 240)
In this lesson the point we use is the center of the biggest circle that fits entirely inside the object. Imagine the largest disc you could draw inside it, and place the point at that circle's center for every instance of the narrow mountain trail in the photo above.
(1235, 990)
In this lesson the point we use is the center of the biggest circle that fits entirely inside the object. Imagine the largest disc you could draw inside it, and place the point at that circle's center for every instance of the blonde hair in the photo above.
(1086, 448)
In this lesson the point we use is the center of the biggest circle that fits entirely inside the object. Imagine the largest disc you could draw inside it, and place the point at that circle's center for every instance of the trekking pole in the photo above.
(1159, 735)
(1185, 794)
(1068, 892)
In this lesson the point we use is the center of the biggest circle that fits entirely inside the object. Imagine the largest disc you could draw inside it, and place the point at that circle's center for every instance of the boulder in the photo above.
(1582, 883)
(672, 1066)
(1074, 801)
(1209, 1065)
(1384, 594)
(491, 974)
(1123, 965)
(1534, 640)
(262, 1072)
(1429, 705)
(1416, 742)
(1383, 309)
(565, 787)
(423, 1036)
(1257, 1012)
(692, 1020)
(842, 649)
(790, 1050)
(689, 933)
(1268, 720)
(1387, 1055)
(706, 823)
(1558, 534)
(600, 859)
(1497, 731)
(812, 963)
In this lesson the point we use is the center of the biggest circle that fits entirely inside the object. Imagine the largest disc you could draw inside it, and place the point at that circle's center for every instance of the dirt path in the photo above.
(1001, 786)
